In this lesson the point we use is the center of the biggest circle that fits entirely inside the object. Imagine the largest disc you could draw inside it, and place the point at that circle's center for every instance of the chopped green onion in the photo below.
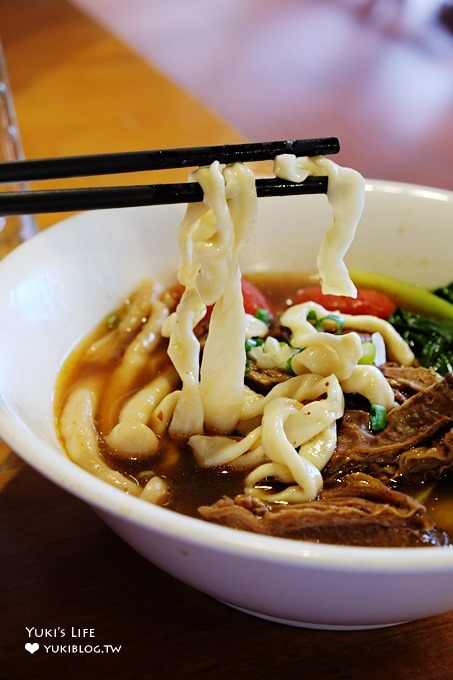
(111, 321)
(378, 418)
(288, 366)
(369, 353)
(263, 315)
(250, 343)
(320, 324)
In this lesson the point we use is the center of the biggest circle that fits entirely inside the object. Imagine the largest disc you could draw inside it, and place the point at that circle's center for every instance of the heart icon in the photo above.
(32, 647)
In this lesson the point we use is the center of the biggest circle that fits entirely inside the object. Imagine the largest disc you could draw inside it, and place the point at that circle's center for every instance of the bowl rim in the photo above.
(55, 466)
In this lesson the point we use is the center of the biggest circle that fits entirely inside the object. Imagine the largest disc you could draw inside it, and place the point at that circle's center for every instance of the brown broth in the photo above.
(190, 485)
(281, 288)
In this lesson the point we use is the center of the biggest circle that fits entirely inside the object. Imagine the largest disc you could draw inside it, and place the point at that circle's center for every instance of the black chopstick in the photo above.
(161, 159)
(96, 198)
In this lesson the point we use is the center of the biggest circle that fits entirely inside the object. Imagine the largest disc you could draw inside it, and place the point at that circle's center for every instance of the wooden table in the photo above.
(78, 89)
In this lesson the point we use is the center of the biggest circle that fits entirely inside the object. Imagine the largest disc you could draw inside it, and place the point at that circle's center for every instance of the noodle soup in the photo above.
(301, 420)
(112, 367)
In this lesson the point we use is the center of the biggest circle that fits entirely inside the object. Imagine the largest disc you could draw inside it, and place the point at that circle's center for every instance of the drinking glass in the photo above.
(13, 229)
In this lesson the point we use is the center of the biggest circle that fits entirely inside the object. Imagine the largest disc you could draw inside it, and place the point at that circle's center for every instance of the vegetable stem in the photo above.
(405, 294)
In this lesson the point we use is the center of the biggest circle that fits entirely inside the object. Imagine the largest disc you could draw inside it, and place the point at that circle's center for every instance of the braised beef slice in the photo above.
(278, 331)
(422, 421)
(426, 463)
(359, 511)
(407, 380)
(262, 380)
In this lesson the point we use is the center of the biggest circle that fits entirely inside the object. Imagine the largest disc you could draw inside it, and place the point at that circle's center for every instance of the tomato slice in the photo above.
(367, 301)
(254, 298)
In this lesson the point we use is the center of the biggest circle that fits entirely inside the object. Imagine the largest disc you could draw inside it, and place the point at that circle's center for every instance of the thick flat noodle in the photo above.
(324, 352)
(211, 237)
(425, 416)
(346, 196)
(131, 316)
(359, 511)
(80, 437)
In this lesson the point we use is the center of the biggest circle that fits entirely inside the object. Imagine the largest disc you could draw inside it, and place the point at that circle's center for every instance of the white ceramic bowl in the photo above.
(58, 285)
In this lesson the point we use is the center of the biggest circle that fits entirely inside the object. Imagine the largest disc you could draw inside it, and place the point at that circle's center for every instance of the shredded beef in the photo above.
(262, 380)
(359, 511)
(426, 463)
(424, 421)
(407, 380)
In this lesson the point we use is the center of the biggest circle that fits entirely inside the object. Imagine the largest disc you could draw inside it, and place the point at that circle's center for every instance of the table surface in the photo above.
(79, 89)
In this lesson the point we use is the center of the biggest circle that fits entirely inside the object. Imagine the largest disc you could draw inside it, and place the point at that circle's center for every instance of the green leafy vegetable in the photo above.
(445, 292)
(431, 340)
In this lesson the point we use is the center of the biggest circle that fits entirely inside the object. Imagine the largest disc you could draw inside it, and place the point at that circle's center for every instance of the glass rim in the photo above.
(11, 150)
(12, 144)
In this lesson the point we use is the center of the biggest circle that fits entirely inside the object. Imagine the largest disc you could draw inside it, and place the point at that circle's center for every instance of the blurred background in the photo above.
(376, 73)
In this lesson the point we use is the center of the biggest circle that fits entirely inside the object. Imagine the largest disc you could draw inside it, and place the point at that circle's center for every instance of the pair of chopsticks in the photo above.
(69, 200)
